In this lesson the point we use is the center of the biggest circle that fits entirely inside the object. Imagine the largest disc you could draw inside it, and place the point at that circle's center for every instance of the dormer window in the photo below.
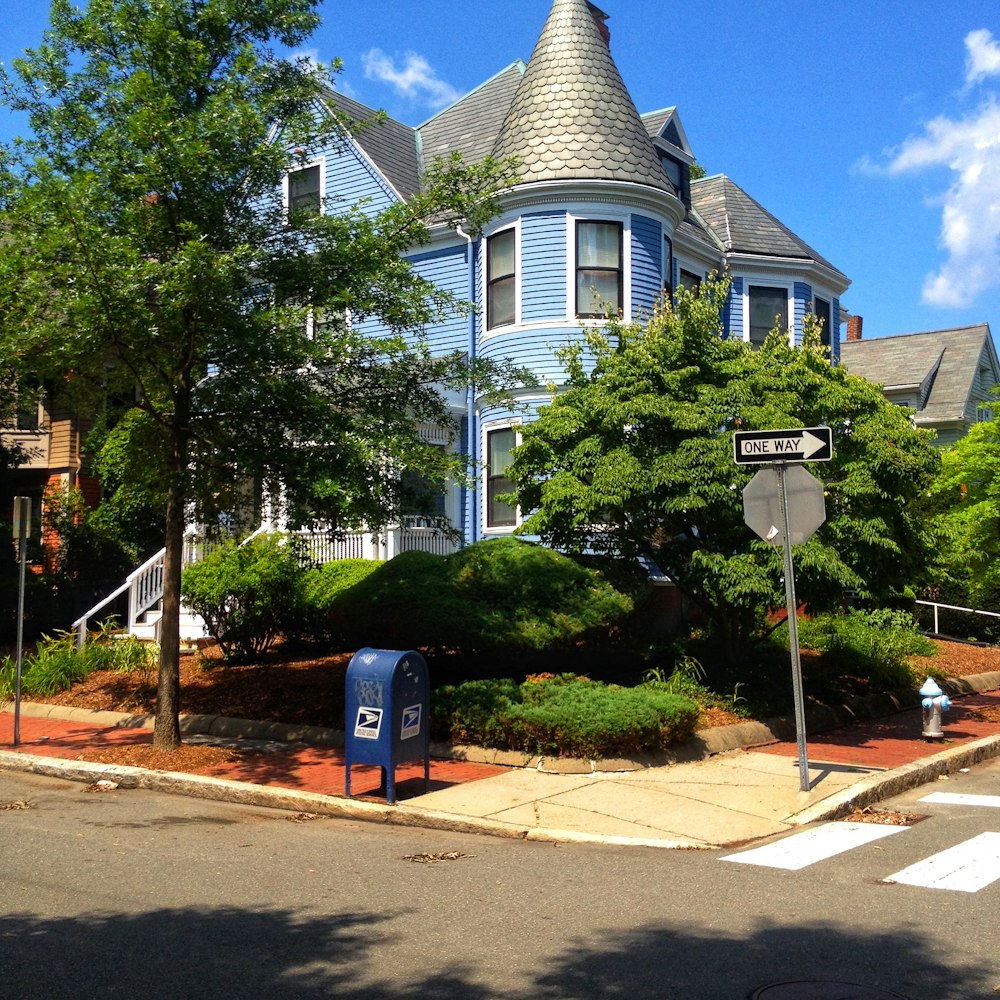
(304, 191)
(599, 272)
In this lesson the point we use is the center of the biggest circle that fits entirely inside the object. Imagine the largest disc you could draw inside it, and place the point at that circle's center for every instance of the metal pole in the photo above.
(22, 547)
(793, 635)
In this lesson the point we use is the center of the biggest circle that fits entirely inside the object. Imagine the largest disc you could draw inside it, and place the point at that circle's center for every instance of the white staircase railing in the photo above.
(145, 588)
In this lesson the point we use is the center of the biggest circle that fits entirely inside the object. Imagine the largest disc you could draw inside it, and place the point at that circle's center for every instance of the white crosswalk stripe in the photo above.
(803, 849)
(966, 867)
(957, 799)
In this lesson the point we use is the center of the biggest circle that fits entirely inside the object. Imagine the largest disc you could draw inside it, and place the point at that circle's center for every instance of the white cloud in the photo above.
(983, 59)
(969, 148)
(416, 80)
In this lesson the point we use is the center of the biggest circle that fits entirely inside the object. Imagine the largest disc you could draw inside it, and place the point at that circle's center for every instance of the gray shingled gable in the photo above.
(391, 145)
(744, 226)
(572, 117)
(470, 125)
(654, 121)
(948, 359)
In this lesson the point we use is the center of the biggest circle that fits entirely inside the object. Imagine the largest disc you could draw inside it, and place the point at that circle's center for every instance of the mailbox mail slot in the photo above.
(386, 713)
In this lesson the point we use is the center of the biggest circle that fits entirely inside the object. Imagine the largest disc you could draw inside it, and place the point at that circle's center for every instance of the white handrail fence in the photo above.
(954, 607)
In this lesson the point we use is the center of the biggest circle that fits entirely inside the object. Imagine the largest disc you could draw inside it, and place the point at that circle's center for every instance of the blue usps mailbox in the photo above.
(386, 715)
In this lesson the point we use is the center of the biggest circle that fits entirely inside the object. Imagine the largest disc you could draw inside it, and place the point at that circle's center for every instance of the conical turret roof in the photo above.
(572, 117)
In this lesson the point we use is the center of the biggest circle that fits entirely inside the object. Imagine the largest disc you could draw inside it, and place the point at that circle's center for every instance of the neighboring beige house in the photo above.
(52, 440)
(943, 374)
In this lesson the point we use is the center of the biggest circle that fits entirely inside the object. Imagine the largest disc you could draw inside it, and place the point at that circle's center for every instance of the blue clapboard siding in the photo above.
(351, 179)
(802, 295)
(732, 320)
(479, 255)
(543, 266)
(647, 264)
(447, 269)
(534, 349)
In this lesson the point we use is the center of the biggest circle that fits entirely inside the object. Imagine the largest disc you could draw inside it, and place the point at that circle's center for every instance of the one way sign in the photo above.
(805, 444)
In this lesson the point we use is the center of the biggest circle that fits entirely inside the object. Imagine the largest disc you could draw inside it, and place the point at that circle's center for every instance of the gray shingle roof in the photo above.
(391, 145)
(572, 117)
(945, 363)
(743, 225)
(470, 125)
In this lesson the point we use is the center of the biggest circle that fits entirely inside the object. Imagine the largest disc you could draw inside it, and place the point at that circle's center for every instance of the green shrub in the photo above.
(565, 715)
(247, 594)
(321, 589)
(57, 664)
(496, 595)
(872, 644)
(471, 712)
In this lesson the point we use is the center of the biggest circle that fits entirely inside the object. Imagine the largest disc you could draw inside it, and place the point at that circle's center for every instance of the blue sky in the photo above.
(870, 129)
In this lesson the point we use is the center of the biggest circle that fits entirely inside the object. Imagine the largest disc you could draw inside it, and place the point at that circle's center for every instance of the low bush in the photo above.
(247, 594)
(497, 595)
(875, 645)
(322, 587)
(57, 664)
(566, 715)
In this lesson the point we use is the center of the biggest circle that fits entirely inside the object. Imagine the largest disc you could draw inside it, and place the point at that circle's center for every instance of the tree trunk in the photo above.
(167, 730)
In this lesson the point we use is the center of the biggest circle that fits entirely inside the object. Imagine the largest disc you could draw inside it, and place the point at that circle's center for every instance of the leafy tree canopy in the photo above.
(636, 457)
(148, 256)
(964, 502)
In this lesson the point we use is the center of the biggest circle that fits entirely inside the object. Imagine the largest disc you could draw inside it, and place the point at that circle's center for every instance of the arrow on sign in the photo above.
(809, 444)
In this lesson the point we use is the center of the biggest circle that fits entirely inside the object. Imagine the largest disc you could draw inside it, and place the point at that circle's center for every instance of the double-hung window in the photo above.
(305, 191)
(501, 279)
(768, 306)
(499, 448)
(821, 310)
(599, 269)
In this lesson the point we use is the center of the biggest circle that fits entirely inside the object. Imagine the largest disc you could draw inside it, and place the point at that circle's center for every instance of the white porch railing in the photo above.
(145, 584)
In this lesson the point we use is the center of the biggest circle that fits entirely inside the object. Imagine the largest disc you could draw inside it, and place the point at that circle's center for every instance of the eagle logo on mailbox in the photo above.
(368, 724)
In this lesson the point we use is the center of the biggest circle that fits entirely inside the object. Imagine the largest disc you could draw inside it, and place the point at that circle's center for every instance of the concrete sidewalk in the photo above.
(728, 797)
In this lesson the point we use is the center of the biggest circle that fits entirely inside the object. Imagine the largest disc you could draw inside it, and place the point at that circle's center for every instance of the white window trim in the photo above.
(768, 282)
(598, 214)
(515, 225)
(484, 504)
(319, 161)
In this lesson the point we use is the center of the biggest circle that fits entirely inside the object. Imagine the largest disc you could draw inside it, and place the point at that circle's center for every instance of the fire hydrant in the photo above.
(935, 702)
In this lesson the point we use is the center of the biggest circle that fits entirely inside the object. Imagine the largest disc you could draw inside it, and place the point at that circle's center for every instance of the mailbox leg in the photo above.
(427, 771)
(390, 785)
(347, 778)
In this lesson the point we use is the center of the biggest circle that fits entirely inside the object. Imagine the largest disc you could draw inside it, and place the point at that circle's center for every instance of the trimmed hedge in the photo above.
(564, 715)
(496, 595)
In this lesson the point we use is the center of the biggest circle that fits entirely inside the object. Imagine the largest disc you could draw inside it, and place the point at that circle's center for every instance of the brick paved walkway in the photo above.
(287, 765)
(896, 740)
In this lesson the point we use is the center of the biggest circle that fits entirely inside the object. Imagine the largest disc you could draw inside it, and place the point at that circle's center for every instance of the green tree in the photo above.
(635, 458)
(964, 502)
(148, 256)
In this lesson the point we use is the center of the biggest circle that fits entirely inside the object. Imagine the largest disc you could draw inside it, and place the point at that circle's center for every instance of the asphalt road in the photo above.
(131, 892)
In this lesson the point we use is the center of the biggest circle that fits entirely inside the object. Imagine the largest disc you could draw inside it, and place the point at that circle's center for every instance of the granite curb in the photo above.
(703, 744)
(885, 784)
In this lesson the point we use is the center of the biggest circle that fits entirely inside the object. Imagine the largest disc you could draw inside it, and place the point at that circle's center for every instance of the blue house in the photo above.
(606, 214)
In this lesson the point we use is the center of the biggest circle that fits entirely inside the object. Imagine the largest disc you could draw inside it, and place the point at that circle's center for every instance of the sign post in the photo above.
(22, 527)
(768, 490)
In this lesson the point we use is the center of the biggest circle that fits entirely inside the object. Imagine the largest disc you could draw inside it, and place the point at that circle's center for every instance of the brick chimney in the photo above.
(854, 324)
(602, 22)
